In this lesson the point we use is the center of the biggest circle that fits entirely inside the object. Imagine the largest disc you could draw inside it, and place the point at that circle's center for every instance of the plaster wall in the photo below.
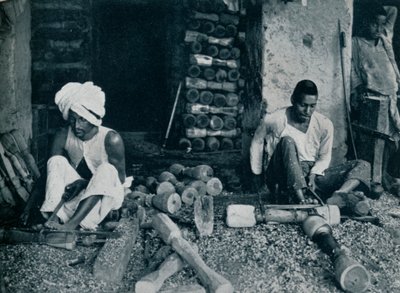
(302, 42)
(15, 84)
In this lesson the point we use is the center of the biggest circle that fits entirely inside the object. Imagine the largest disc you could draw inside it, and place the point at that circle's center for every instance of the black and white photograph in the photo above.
(199, 146)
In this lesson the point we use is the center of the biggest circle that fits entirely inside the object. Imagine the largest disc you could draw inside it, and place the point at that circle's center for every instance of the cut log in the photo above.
(200, 172)
(209, 73)
(206, 97)
(227, 143)
(214, 186)
(231, 30)
(204, 60)
(166, 176)
(205, 109)
(193, 36)
(200, 186)
(221, 75)
(189, 120)
(153, 282)
(194, 24)
(202, 121)
(194, 71)
(212, 144)
(219, 31)
(204, 215)
(198, 133)
(169, 203)
(198, 144)
(192, 95)
(229, 123)
(165, 188)
(113, 258)
(235, 53)
(184, 143)
(188, 195)
(176, 169)
(219, 100)
(171, 234)
(212, 51)
(216, 122)
(233, 75)
(201, 84)
(232, 99)
(224, 54)
(208, 27)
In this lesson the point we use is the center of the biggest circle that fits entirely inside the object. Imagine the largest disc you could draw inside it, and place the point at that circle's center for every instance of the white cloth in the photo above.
(269, 132)
(87, 100)
(93, 150)
(304, 152)
(105, 181)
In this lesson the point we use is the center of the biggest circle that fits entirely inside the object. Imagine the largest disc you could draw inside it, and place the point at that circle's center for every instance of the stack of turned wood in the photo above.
(213, 82)
(182, 185)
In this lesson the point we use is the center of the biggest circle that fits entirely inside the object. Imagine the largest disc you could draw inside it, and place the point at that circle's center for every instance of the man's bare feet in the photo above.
(54, 225)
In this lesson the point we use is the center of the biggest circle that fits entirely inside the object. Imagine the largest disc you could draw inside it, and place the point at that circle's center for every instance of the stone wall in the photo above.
(15, 60)
(301, 42)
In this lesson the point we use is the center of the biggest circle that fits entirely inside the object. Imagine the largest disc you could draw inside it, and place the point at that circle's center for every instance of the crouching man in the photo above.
(87, 162)
(297, 144)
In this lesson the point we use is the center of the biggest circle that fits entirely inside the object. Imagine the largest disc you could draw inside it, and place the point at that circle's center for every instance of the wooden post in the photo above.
(113, 258)
(171, 234)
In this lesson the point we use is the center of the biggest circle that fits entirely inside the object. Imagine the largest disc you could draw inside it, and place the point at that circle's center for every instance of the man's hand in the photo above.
(311, 182)
(73, 189)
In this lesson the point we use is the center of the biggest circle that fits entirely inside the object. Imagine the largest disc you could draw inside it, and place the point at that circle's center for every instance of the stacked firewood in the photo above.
(212, 111)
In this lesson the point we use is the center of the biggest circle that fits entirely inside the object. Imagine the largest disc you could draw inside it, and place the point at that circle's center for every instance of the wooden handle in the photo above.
(171, 234)
(153, 282)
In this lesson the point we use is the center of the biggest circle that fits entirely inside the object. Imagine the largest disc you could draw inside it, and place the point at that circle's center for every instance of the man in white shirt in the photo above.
(297, 143)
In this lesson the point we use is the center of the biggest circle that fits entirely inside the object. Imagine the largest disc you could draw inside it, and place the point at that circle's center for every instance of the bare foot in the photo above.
(54, 225)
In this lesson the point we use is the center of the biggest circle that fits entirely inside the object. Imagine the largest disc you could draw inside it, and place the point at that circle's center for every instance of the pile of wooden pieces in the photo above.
(18, 173)
(213, 83)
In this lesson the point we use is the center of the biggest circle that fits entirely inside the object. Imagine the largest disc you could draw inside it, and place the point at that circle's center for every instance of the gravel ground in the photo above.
(264, 258)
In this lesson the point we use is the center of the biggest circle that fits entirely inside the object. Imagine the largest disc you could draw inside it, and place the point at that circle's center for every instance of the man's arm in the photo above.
(325, 149)
(390, 20)
(116, 153)
(57, 147)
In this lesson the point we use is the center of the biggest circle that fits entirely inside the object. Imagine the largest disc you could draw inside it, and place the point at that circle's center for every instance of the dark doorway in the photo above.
(129, 64)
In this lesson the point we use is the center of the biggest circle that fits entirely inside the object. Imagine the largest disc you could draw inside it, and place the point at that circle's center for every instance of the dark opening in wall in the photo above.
(129, 64)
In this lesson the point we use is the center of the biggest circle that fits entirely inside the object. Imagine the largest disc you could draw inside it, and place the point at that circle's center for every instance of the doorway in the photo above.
(129, 64)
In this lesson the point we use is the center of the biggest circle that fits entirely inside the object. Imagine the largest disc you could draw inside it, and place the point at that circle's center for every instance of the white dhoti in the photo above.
(105, 182)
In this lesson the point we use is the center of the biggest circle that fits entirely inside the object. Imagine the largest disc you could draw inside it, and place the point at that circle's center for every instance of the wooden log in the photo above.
(229, 19)
(192, 95)
(194, 24)
(206, 97)
(189, 120)
(201, 133)
(200, 172)
(188, 194)
(205, 16)
(8, 171)
(184, 143)
(233, 75)
(209, 73)
(194, 288)
(192, 36)
(205, 109)
(219, 100)
(153, 282)
(168, 203)
(227, 144)
(220, 31)
(229, 123)
(214, 186)
(202, 121)
(221, 75)
(5, 194)
(198, 83)
(212, 144)
(165, 188)
(112, 260)
(224, 54)
(176, 169)
(171, 234)
(198, 144)
(194, 71)
(232, 99)
(200, 186)
(208, 27)
(247, 216)
(204, 60)
(235, 53)
(167, 176)
(216, 122)
(231, 30)
(351, 275)
(196, 47)
(212, 51)
(15, 138)
(204, 215)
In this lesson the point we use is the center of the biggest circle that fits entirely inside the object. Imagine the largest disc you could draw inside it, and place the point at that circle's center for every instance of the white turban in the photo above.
(87, 100)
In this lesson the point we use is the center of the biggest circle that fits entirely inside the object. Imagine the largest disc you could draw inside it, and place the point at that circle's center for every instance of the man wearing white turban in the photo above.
(87, 161)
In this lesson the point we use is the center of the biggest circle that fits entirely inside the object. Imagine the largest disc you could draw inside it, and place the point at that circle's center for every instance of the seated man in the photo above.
(298, 145)
(87, 161)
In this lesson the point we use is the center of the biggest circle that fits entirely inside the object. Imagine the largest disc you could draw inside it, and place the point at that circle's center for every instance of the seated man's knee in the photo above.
(106, 168)
(57, 161)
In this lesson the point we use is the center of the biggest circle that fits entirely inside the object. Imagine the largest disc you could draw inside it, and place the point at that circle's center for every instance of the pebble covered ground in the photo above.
(264, 258)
